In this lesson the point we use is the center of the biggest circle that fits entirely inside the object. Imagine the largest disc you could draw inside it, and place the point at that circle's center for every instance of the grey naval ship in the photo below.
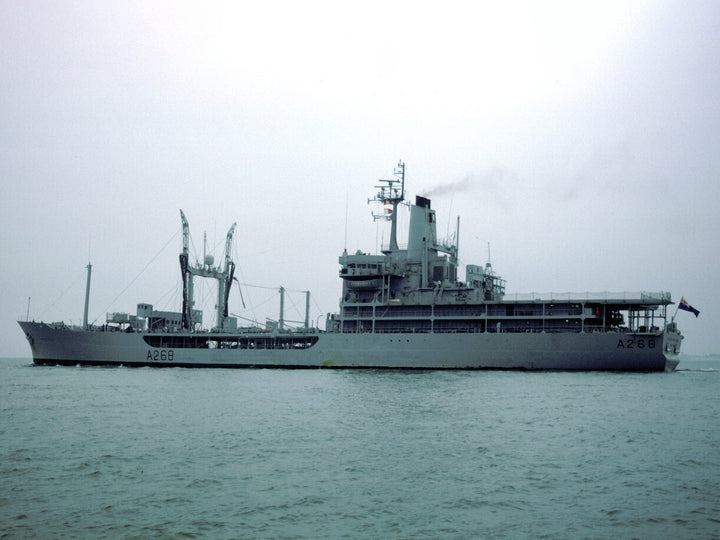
(403, 308)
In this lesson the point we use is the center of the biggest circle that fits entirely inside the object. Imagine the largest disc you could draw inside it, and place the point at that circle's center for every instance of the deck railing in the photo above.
(625, 296)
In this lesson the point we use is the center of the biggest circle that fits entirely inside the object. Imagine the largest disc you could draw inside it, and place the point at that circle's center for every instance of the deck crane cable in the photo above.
(240, 283)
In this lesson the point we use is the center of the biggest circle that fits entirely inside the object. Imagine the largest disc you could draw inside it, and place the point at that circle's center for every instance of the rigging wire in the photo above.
(316, 304)
(267, 299)
(297, 311)
(139, 274)
(170, 295)
(62, 294)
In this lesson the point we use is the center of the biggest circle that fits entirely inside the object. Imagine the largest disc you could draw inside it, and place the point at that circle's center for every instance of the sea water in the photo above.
(173, 453)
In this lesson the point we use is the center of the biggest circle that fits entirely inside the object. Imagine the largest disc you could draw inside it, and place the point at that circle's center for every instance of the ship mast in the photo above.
(225, 283)
(87, 297)
(391, 192)
(187, 323)
(224, 277)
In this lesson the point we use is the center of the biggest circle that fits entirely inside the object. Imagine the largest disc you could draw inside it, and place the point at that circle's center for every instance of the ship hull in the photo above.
(527, 351)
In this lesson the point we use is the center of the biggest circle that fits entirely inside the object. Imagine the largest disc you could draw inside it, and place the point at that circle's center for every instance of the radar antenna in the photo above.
(391, 192)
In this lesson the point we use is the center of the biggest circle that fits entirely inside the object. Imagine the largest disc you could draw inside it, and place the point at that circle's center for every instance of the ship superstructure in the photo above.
(415, 289)
(402, 308)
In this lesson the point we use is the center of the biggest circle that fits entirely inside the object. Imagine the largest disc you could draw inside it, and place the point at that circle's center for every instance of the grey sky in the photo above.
(581, 141)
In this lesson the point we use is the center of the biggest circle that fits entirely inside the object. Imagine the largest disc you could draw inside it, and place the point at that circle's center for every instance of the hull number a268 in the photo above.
(636, 343)
(160, 355)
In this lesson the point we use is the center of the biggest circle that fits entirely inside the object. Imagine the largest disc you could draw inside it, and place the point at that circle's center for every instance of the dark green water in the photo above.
(171, 453)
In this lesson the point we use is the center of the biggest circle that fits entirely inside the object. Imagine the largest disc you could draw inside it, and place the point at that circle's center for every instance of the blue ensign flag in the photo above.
(687, 307)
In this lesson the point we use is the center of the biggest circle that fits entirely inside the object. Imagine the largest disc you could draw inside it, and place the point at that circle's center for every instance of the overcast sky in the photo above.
(581, 140)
